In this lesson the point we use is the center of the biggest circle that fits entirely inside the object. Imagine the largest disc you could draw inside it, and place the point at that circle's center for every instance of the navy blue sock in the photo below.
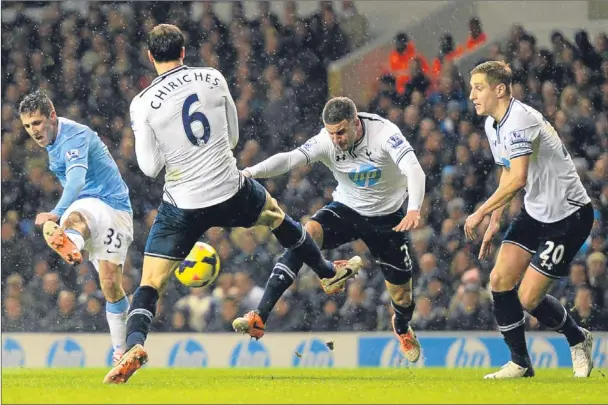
(293, 237)
(551, 313)
(141, 314)
(403, 316)
(511, 323)
(282, 276)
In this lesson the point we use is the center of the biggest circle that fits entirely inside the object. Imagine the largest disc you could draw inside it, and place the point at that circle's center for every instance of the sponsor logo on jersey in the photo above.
(365, 175)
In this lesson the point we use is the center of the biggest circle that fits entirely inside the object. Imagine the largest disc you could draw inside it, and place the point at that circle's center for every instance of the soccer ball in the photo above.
(200, 268)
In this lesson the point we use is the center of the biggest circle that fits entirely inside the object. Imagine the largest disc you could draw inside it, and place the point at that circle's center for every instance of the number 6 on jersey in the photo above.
(197, 116)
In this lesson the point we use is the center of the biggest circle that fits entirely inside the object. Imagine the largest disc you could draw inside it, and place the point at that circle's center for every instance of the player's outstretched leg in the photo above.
(403, 306)
(156, 272)
(551, 313)
(67, 240)
(117, 306)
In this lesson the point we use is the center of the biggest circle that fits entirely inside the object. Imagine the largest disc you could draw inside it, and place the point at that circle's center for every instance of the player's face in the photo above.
(343, 134)
(40, 127)
(483, 96)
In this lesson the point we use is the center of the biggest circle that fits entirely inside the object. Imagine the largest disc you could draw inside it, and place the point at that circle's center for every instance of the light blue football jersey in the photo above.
(78, 145)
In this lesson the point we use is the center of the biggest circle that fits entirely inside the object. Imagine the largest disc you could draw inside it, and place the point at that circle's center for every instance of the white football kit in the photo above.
(373, 177)
(186, 121)
(553, 188)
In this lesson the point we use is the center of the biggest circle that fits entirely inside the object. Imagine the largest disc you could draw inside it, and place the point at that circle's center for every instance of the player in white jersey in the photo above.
(375, 167)
(548, 232)
(186, 121)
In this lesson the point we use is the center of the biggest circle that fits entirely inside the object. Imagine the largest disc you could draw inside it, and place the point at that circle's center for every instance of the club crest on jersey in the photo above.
(365, 175)
(72, 154)
(396, 141)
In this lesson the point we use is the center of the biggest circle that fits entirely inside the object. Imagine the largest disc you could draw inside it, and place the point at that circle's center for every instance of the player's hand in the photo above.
(471, 224)
(411, 221)
(486, 243)
(245, 173)
(46, 216)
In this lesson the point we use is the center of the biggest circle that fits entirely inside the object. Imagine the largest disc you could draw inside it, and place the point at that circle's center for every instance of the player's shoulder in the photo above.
(70, 128)
(520, 116)
(379, 129)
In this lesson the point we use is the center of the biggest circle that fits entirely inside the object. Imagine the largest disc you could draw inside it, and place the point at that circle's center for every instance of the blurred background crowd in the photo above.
(93, 65)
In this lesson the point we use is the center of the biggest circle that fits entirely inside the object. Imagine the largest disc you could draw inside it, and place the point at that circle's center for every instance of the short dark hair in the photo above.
(496, 72)
(165, 42)
(339, 109)
(36, 101)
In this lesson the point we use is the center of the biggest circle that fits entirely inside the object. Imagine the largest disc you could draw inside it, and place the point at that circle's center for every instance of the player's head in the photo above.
(341, 122)
(490, 84)
(166, 44)
(39, 118)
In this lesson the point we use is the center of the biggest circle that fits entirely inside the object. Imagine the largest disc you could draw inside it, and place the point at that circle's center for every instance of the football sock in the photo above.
(403, 316)
(292, 236)
(143, 309)
(551, 313)
(283, 275)
(75, 237)
(116, 312)
(510, 319)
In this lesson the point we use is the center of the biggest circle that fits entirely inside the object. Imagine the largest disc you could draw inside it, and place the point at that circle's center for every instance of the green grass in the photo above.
(298, 386)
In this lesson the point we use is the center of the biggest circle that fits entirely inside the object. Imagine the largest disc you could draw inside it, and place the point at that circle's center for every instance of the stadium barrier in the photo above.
(287, 350)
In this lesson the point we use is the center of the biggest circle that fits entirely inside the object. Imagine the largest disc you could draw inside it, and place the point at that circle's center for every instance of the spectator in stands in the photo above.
(354, 25)
(63, 318)
(400, 57)
(477, 36)
(469, 313)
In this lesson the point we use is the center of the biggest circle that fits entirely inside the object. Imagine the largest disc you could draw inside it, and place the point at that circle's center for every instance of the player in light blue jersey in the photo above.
(94, 212)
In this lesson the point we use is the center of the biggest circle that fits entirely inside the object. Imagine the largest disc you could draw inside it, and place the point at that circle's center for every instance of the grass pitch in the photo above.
(256, 386)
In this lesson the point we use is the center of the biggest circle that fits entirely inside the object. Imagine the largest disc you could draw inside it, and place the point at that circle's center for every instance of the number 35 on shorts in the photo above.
(114, 241)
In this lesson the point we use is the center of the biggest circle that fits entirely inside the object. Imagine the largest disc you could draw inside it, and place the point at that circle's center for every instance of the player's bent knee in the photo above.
(315, 230)
(529, 298)
(157, 272)
(400, 294)
(501, 280)
(78, 222)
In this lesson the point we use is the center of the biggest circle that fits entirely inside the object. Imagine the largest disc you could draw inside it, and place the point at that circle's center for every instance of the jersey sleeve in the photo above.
(397, 146)
(149, 157)
(75, 151)
(315, 149)
(231, 113)
(521, 142)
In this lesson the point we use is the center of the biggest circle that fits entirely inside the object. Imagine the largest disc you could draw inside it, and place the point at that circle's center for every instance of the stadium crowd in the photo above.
(93, 65)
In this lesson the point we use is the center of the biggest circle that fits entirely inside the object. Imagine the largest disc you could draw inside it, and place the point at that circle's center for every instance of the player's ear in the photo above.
(53, 115)
(150, 58)
(182, 54)
(501, 90)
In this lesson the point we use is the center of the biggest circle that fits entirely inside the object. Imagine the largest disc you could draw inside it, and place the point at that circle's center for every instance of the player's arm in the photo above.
(515, 178)
(277, 164)
(281, 163)
(231, 114)
(149, 158)
(75, 151)
(404, 157)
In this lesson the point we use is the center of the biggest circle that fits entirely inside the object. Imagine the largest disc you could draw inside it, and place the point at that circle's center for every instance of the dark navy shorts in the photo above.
(175, 230)
(390, 249)
(553, 245)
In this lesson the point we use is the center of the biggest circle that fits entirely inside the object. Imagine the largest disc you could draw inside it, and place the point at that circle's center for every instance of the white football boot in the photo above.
(511, 370)
(582, 356)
